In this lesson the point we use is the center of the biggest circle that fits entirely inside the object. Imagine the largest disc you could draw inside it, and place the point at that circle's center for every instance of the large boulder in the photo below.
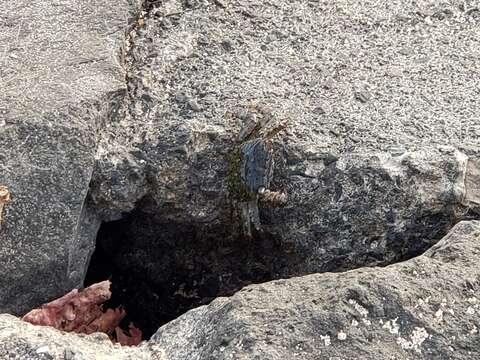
(424, 308)
(340, 80)
(357, 119)
(337, 80)
(228, 142)
(61, 78)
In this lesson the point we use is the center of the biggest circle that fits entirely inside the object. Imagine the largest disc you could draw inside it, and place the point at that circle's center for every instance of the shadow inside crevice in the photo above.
(161, 269)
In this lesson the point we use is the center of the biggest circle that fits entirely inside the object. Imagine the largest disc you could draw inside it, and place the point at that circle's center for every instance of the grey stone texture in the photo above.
(423, 308)
(377, 111)
(61, 76)
(368, 119)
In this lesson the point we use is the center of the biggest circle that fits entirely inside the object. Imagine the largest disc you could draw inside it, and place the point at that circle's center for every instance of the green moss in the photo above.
(236, 186)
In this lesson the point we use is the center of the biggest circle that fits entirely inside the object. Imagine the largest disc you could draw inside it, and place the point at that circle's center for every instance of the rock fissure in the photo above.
(164, 268)
(188, 204)
(172, 240)
(157, 281)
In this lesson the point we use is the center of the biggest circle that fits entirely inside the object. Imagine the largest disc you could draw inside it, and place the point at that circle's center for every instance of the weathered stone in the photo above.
(358, 210)
(187, 154)
(423, 308)
(472, 183)
(61, 75)
(367, 183)
(21, 340)
(147, 139)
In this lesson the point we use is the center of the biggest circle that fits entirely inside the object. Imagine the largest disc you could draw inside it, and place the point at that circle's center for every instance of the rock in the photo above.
(21, 340)
(187, 154)
(367, 183)
(141, 130)
(423, 308)
(61, 80)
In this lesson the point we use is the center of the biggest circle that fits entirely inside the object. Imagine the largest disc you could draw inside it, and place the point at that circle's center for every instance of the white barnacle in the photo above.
(418, 336)
(473, 330)
(359, 308)
(326, 339)
(341, 335)
(392, 326)
(439, 315)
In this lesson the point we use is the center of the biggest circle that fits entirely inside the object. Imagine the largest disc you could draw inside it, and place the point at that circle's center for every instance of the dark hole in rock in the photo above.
(160, 269)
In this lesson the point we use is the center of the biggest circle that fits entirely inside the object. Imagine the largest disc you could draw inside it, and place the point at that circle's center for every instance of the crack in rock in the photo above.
(135, 135)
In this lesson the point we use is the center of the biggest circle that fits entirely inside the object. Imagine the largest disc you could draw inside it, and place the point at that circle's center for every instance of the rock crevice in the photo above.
(425, 308)
(132, 126)
(359, 194)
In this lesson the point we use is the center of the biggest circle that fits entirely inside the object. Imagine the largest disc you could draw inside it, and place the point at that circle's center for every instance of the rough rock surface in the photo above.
(61, 79)
(197, 68)
(235, 141)
(23, 341)
(424, 308)
(379, 146)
